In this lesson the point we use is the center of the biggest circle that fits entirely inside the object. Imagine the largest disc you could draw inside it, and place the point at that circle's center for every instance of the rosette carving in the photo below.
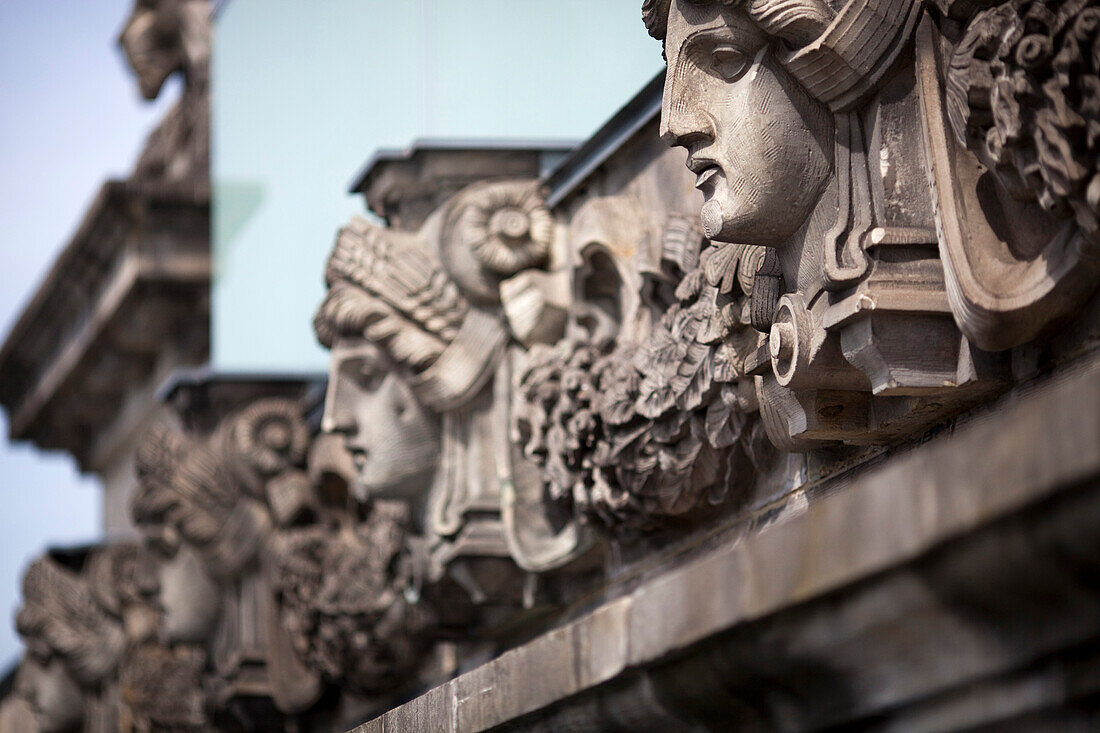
(492, 231)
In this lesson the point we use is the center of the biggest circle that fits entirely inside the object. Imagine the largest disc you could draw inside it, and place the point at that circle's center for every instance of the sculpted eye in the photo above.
(728, 63)
(370, 377)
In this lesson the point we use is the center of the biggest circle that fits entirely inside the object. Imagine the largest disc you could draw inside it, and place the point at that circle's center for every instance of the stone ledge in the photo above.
(846, 549)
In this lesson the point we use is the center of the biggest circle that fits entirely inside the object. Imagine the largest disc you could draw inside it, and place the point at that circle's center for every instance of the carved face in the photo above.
(392, 437)
(53, 694)
(760, 146)
(188, 596)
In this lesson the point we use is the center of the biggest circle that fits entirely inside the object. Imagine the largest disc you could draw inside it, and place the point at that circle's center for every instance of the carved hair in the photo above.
(180, 483)
(399, 300)
(797, 22)
(183, 484)
(60, 611)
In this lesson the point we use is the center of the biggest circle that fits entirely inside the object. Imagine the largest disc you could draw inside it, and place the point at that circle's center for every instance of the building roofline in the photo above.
(594, 152)
(110, 192)
(429, 144)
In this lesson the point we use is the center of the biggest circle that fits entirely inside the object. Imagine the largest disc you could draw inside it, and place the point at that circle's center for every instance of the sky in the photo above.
(290, 135)
(70, 117)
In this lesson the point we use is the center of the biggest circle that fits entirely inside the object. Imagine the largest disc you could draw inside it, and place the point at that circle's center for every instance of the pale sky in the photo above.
(70, 118)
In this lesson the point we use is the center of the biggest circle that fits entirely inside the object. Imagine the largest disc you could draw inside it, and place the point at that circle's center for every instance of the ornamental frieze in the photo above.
(832, 229)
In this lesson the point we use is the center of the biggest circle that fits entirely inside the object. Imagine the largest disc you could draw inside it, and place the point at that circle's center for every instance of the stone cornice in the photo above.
(909, 543)
(140, 251)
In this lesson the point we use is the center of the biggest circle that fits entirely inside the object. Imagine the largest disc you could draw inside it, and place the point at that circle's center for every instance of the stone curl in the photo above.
(1023, 92)
(796, 22)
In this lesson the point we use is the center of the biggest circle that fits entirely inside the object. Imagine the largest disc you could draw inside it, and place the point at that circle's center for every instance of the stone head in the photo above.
(392, 437)
(198, 527)
(389, 314)
(72, 643)
(760, 144)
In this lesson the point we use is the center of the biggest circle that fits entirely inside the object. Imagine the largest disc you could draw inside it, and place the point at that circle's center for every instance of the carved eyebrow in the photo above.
(747, 41)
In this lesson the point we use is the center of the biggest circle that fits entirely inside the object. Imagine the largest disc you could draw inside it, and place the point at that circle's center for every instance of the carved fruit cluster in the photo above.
(345, 599)
(1024, 91)
(632, 434)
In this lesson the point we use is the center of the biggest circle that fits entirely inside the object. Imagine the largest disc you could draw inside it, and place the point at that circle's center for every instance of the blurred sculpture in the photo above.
(345, 597)
(89, 639)
(284, 580)
(73, 646)
(423, 348)
(161, 38)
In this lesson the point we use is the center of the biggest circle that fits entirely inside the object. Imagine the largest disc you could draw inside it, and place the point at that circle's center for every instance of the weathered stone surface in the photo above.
(803, 434)
(886, 595)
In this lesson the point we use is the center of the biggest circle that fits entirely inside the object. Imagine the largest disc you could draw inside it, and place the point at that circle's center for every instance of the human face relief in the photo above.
(760, 146)
(392, 437)
(53, 694)
(175, 577)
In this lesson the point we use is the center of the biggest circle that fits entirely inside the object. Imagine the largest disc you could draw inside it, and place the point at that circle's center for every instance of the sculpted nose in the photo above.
(336, 417)
(682, 120)
(148, 584)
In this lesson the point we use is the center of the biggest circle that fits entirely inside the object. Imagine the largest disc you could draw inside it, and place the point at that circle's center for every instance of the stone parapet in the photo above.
(912, 593)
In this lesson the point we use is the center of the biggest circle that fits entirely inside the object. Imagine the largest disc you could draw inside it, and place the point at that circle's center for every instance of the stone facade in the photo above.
(798, 429)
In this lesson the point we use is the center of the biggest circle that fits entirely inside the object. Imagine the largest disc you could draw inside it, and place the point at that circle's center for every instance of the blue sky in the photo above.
(70, 117)
(305, 92)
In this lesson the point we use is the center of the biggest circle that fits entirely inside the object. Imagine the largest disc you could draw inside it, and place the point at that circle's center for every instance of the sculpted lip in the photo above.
(705, 175)
(703, 168)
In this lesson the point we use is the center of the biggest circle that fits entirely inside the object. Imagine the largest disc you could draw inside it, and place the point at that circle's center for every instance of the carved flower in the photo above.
(507, 227)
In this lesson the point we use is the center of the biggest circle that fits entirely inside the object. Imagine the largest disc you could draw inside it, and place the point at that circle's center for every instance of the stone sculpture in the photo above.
(424, 327)
(1020, 93)
(636, 433)
(287, 586)
(345, 597)
(90, 637)
(159, 39)
(72, 647)
(864, 252)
